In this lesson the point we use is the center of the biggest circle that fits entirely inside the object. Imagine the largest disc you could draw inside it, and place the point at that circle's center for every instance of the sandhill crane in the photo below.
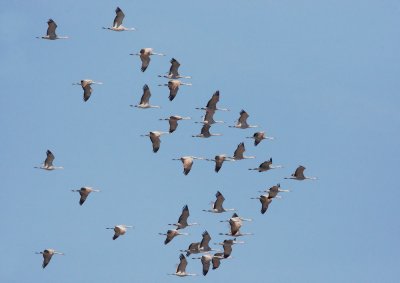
(242, 121)
(51, 32)
(144, 100)
(265, 166)
(119, 230)
(219, 160)
(181, 269)
(48, 162)
(47, 255)
(259, 136)
(182, 221)
(173, 122)
(217, 205)
(172, 234)
(187, 162)
(199, 247)
(299, 174)
(208, 118)
(84, 192)
(173, 71)
(87, 89)
(265, 201)
(155, 139)
(235, 223)
(274, 190)
(173, 86)
(144, 55)
(117, 24)
(238, 154)
(205, 261)
(227, 246)
(212, 103)
(205, 132)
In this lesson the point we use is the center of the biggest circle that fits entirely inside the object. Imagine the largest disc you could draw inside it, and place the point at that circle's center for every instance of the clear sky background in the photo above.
(322, 77)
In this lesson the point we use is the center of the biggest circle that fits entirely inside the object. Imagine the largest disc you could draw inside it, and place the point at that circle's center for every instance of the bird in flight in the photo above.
(48, 162)
(117, 24)
(51, 31)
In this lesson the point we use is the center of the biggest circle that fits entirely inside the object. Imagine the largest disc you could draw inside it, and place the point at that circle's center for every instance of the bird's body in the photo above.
(181, 269)
(173, 71)
(173, 86)
(119, 230)
(84, 193)
(205, 132)
(173, 122)
(155, 139)
(145, 99)
(265, 166)
(238, 154)
(48, 162)
(47, 255)
(206, 262)
(259, 136)
(208, 118)
(242, 121)
(87, 89)
(144, 55)
(299, 174)
(117, 23)
(217, 205)
(172, 234)
(51, 31)
(182, 221)
(187, 162)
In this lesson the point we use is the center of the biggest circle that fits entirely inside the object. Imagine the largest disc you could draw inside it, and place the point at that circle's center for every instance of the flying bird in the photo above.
(172, 234)
(216, 260)
(173, 86)
(155, 139)
(212, 103)
(173, 122)
(236, 223)
(182, 221)
(259, 136)
(265, 166)
(119, 230)
(219, 160)
(117, 24)
(238, 154)
(208, 118)
(265, 202)
(217, 205)
(48, 162)
(199, 247)
(144, 100)
(187, 162)
(47, 255)
(242, 121)
(51, 31)
(87, 89)
(144, 55)
(206, 262)
(205, 132)
(173, 71)
(227, 246)
(299, 174)
(181, 269)
(274, 190)
(84, 193)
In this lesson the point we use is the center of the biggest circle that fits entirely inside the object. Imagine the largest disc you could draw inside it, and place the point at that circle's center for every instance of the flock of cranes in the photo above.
(235, 221)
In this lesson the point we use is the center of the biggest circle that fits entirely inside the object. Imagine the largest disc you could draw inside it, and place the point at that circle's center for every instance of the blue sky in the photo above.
(319, 76)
